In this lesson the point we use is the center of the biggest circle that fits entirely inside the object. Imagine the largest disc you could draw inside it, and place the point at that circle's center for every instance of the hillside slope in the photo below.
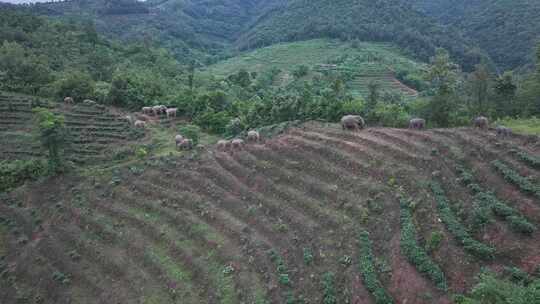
(360, 63)
(388, 21)
(508, 30)
(95, 133)
(191, 27)
(283, 220)
(185, 27)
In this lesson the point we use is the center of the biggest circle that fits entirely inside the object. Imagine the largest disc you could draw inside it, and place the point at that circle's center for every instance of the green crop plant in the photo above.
(61, 277)
(330, 294)
(531, 160)
(281, 268)
(456, 228)
(490, 204)
(308, 256)
(434, 241)
(369, 274)
(515, 178)
(416, 254)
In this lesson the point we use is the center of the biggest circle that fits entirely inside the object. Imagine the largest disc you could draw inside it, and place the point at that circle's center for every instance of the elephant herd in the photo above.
(238, 143)
(355, 122)
(348, 122)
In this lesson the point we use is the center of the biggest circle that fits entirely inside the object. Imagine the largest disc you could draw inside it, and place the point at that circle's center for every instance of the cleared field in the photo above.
(366, 62)
(314, 215)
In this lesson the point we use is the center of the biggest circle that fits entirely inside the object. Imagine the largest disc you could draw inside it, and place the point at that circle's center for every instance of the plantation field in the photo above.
(364, 62)
(313, 215)
(91, 130)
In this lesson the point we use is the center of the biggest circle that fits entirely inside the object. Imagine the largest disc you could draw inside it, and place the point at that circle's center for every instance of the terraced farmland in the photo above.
(381, 75)
(366, 62)
(315, 215)
(92, 130)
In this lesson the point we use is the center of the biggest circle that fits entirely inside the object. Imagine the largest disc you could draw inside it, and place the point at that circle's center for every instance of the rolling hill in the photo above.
(377, 216)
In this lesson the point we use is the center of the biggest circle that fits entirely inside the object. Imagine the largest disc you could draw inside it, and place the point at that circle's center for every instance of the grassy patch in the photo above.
(461, 234)
(223, 276)
(530, 126)
(416, 254)
(180, 277)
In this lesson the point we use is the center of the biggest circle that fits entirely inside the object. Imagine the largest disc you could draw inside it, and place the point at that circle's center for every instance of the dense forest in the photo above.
(390, 21)
(208, 31)
(506, 30)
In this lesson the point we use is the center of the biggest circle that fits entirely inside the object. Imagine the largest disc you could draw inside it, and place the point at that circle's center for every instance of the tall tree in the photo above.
(374, 94)
(443, 76)
(505, 93)
(479, 86)
(52, 134)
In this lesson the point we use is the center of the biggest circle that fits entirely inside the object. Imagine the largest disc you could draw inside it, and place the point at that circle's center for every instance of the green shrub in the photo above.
(416, 254)
(369, 274)
(61, 277)
(52, 134)
(141, 153)
(300, 71)
(493, 290)
(78, 85)
(192, 132)
(15, 173)
(213, 122)
(517, 275)
(456, 228)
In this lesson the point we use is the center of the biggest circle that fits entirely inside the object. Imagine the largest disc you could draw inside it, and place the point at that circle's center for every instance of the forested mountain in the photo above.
(192, 29)
(209, 30)
(380, 20)
(213, 26)
(507, 29)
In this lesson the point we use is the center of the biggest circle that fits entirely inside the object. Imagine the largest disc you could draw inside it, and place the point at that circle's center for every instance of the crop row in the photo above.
(488, 204)
(416, 254)
(515, 178)
(368, 271)
(531, 160)
(457, 229)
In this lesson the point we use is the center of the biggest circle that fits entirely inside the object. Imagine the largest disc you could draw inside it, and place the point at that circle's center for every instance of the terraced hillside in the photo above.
(92, 129)
(363, 62)
(382, 75)
(314, 215)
